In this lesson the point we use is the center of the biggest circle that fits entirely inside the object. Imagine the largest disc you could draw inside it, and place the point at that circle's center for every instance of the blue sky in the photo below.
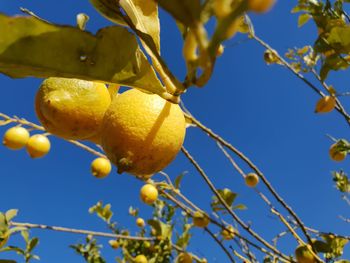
(263, 110)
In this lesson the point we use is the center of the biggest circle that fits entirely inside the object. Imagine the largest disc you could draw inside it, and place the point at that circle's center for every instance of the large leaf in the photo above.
(31, 47)
(184, 11)
(143, 14)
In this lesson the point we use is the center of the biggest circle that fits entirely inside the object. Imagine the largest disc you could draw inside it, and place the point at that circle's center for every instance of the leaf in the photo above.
(32, 244)
(239, 207)
(162, 229)
(10, 214)
(31, 47)
(25, 235)
(110, 10)
(5, 122)
(335, 244)
(104, 213)
(178, 179)
(144, 15)
(303, 19)
(342, 181)
(229, 198)
(184, 11)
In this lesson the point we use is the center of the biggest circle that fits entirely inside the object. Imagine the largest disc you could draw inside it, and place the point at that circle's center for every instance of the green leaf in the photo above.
(10, 214)
(184, 11)
(104, 213)
(31, 47)
(25, 235)
(32, 244)
(342, 181)
(162, 229)
(227, 195)
(303, 19)
(178, 179)
(335, 244)
(110, 9)
(144, 15)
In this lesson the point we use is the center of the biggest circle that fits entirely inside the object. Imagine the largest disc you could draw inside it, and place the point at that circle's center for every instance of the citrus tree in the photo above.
(124, 107)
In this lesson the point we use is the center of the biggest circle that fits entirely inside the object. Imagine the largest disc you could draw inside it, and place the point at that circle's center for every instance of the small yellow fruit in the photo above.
(260, 6)
(200, 219)
(140, 222)
(222, 8)
(220, 50)
(113, 243)
(72, 108)
(251, 180)
(325, 104)
(140, 259)
(38, 146)
(16, 138)
(184, 258)
(228, 233)
(335, 154)
(101, 167)
(303, 255)
(142, 133)
(148, 194)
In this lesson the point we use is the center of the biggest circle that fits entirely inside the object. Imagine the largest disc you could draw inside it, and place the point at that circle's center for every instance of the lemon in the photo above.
(113, 243)
(251, 180)
(101, 167)
(184, 258)
(303, 255)
(228, 233)
(140, 222)
(260, 6)
(16, 138)
(140, 259)
(38, 146)
(200, 219)
(335, 154)
(72, 108)
(148, 194)
(142, 133)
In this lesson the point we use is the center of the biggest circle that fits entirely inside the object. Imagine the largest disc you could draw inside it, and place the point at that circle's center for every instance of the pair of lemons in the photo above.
(141, 133)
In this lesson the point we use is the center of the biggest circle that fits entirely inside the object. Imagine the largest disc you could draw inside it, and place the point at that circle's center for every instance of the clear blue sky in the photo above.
(263, 110)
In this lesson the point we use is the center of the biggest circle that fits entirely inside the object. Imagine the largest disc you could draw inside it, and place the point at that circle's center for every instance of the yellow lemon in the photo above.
(148, 194)
(335, 154)
(16, 138)
(260, 6)
(101, 167)
(303, 255)
(251, 180)
(72, 108)
(140, 222)
(200, 220)
(113, 243)
(142, 133)
(38, 146)
(184, 258)
(228, 233)
(140, 259)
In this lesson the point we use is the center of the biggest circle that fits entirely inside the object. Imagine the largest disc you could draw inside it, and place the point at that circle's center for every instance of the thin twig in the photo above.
(226, 206)
(339, 107)
(220, 244)
(80, 231)
(228, 145)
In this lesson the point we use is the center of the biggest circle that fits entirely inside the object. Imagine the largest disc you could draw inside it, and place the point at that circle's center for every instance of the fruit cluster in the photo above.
(140, 133)
(17, 137)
